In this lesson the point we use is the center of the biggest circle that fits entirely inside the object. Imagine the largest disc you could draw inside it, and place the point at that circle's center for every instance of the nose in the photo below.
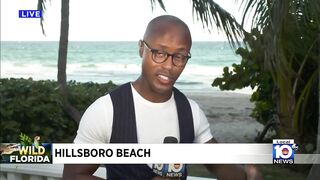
(168, 64)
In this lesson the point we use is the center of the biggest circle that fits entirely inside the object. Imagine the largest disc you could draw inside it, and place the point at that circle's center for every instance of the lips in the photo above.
(165, 79)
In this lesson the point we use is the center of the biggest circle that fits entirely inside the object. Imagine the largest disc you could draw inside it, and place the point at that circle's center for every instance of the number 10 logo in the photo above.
(283, 153)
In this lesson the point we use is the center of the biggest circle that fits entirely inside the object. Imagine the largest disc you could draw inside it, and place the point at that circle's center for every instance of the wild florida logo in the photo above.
(27, 151)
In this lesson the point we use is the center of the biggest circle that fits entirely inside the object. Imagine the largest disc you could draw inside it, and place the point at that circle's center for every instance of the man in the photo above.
(156, 109)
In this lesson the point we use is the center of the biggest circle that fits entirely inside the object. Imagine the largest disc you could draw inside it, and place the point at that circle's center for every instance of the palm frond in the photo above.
(153, 4)
(274, 14)
(210, 14)
(42, 7)
(308, 11)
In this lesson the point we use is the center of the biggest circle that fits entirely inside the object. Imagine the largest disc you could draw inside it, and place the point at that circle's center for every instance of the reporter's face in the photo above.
(161, 77)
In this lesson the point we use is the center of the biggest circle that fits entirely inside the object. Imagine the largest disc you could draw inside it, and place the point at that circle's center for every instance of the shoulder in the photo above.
(193, 104)
(102, 101)
(195, 108)
(99, 109)
(197, 112)
(201, 124)
(99, 106)
(96, 123)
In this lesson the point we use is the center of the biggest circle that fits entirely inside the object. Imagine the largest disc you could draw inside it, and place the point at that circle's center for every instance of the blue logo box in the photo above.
(282, 151)
(30, 13)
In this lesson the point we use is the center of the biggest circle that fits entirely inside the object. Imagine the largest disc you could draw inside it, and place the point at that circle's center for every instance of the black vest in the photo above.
(124, 130)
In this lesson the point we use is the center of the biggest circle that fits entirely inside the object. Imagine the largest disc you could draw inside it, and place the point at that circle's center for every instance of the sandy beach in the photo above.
(229, 115)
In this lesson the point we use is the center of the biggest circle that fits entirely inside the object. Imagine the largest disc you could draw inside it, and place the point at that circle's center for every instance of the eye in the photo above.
(160, 54)
(179, 57)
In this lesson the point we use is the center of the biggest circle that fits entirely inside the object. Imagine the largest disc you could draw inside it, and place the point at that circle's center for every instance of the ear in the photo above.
(140, 48)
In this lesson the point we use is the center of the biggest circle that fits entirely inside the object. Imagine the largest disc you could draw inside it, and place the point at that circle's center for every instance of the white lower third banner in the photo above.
(179, 153)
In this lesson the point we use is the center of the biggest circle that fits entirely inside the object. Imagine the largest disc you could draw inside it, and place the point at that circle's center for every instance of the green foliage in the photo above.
(83, 94)
(254, 72)
(36, 108)
(281, 60)
(250, 73)
(25, 140)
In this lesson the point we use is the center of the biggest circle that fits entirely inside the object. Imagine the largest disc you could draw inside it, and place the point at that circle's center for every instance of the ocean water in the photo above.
(116, 61)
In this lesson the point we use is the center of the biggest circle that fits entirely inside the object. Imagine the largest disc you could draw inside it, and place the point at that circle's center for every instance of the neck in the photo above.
(149, 94)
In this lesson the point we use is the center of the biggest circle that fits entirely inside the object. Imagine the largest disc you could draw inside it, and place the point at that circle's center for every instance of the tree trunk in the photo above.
(62, 61)
(315, 169)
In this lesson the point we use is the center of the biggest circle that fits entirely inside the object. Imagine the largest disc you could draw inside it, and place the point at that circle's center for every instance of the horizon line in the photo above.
(96, 41)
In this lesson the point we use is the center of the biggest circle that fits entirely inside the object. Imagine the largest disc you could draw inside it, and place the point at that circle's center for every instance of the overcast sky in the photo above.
(101, 20)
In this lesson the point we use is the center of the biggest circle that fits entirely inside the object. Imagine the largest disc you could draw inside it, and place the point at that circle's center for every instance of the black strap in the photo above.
(129, 171)
(186, 126)
(124, 128)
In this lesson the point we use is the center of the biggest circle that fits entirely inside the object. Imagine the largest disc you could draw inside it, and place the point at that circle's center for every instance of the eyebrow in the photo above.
(179, 49)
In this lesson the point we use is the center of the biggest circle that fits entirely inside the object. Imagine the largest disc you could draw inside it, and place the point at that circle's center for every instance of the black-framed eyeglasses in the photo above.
(160, 56)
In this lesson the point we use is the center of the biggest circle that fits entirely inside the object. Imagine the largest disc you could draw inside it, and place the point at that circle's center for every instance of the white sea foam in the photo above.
(101, 62)
(194, 77)
(35, 71)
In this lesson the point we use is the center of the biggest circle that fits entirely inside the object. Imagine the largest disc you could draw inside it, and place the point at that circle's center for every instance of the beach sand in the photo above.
(229, 115)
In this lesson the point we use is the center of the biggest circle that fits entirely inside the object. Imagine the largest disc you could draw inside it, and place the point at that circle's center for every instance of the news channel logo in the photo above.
(27, 151)
(170, 170)
(30, 14)
(283, 151)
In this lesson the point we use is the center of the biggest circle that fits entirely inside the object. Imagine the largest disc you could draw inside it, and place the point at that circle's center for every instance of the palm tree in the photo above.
(291, 42)
(62, 57)
(315, 169)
